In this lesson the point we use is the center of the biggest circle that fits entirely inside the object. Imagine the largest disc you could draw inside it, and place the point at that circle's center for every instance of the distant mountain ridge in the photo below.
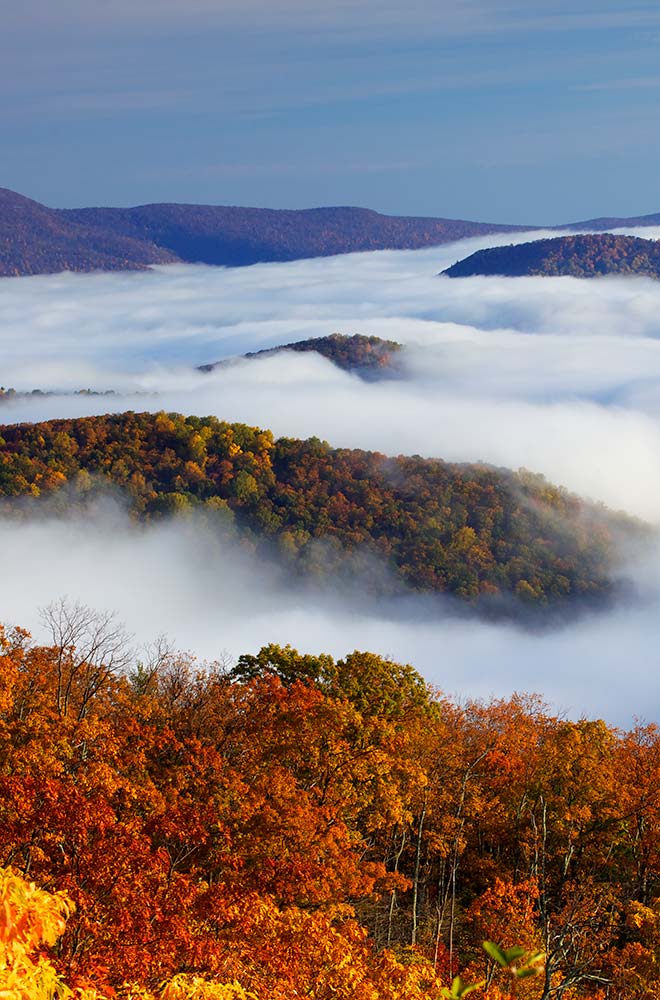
(35, 239)
(613, 222)
(39, 240)
(232, 236)
(585, 256)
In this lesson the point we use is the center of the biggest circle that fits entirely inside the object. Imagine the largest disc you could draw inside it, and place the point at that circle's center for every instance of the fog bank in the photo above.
(206, 595)
(559, 375)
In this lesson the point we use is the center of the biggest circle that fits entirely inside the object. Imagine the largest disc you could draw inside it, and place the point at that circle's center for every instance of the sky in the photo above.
(518, 111)
(557, 375)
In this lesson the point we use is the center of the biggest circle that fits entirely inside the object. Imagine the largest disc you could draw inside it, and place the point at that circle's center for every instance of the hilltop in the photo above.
(584, 256)
(472, 531)
(369, 357)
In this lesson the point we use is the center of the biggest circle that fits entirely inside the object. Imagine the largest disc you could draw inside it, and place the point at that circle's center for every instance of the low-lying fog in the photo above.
(179, 580)
(556, 374)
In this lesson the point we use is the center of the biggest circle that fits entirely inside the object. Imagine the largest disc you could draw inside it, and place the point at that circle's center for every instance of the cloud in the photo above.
(178, 579)
(559, 375)
(458, 18)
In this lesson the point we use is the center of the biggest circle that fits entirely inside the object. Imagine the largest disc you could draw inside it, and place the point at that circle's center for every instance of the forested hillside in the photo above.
(369, 357)
(35, 239)
(472, 531)
(232, 235)
(303, 827)
(589, 256)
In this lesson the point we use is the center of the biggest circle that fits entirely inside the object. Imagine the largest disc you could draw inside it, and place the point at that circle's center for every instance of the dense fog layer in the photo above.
(559, 375)
(205, 594)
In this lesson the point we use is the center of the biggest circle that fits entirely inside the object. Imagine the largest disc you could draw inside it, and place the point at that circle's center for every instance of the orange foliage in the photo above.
(304, 827)
(472, 531)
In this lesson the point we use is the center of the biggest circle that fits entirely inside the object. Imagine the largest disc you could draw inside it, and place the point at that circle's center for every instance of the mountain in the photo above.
(589, 256)
(614, 222)
(233, 236)
(505, 540)
(35, 239)
(369, 357)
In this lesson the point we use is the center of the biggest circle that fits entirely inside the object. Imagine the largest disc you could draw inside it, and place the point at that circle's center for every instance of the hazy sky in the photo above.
(534, 111)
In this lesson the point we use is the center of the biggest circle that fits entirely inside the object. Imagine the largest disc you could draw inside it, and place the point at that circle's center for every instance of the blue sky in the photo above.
(541, 111)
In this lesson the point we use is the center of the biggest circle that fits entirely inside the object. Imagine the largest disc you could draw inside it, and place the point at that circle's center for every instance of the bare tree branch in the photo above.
(91, 646)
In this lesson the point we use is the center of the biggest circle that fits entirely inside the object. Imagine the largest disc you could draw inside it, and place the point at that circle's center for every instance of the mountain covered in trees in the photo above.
(35, 239)
(583, 256)
(605, 222)
(38, 240)
(370, 357)
(293, 825)
(482, 534)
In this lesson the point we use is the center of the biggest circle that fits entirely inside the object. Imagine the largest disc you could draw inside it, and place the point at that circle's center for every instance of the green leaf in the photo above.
(513, 954)
(528, 970)
(537, 958)
(496, 953)
(460, 989)
(470, 989)
(457, 987)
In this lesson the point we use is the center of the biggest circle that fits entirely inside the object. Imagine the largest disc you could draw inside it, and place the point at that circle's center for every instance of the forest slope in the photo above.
(35, 239)
(369, 357)
(584, 256)
(468, 530)
(309, 827)
(228, 235)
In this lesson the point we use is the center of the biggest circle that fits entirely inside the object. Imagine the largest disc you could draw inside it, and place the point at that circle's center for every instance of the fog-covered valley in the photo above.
(560, 376)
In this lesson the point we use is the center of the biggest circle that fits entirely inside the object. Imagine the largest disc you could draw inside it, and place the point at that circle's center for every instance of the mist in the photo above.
(204, 593)
(558, 375)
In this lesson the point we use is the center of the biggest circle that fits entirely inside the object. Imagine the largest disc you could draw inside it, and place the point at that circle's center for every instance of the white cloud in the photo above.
(178, 580)
(456, 18)
(559, 375)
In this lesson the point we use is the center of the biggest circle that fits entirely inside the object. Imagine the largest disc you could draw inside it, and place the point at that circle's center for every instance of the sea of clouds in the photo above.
(561, 376)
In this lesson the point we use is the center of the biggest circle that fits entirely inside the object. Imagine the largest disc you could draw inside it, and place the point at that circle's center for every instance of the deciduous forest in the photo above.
(476, 532)
(297, 826)
(331, 582)
(370, 357)
(592, 255)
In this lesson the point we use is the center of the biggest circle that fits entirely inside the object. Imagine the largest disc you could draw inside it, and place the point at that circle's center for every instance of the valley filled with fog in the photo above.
(557, 375)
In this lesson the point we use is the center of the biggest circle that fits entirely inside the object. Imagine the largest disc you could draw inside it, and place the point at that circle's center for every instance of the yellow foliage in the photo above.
(195, 988)
(29, 918)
